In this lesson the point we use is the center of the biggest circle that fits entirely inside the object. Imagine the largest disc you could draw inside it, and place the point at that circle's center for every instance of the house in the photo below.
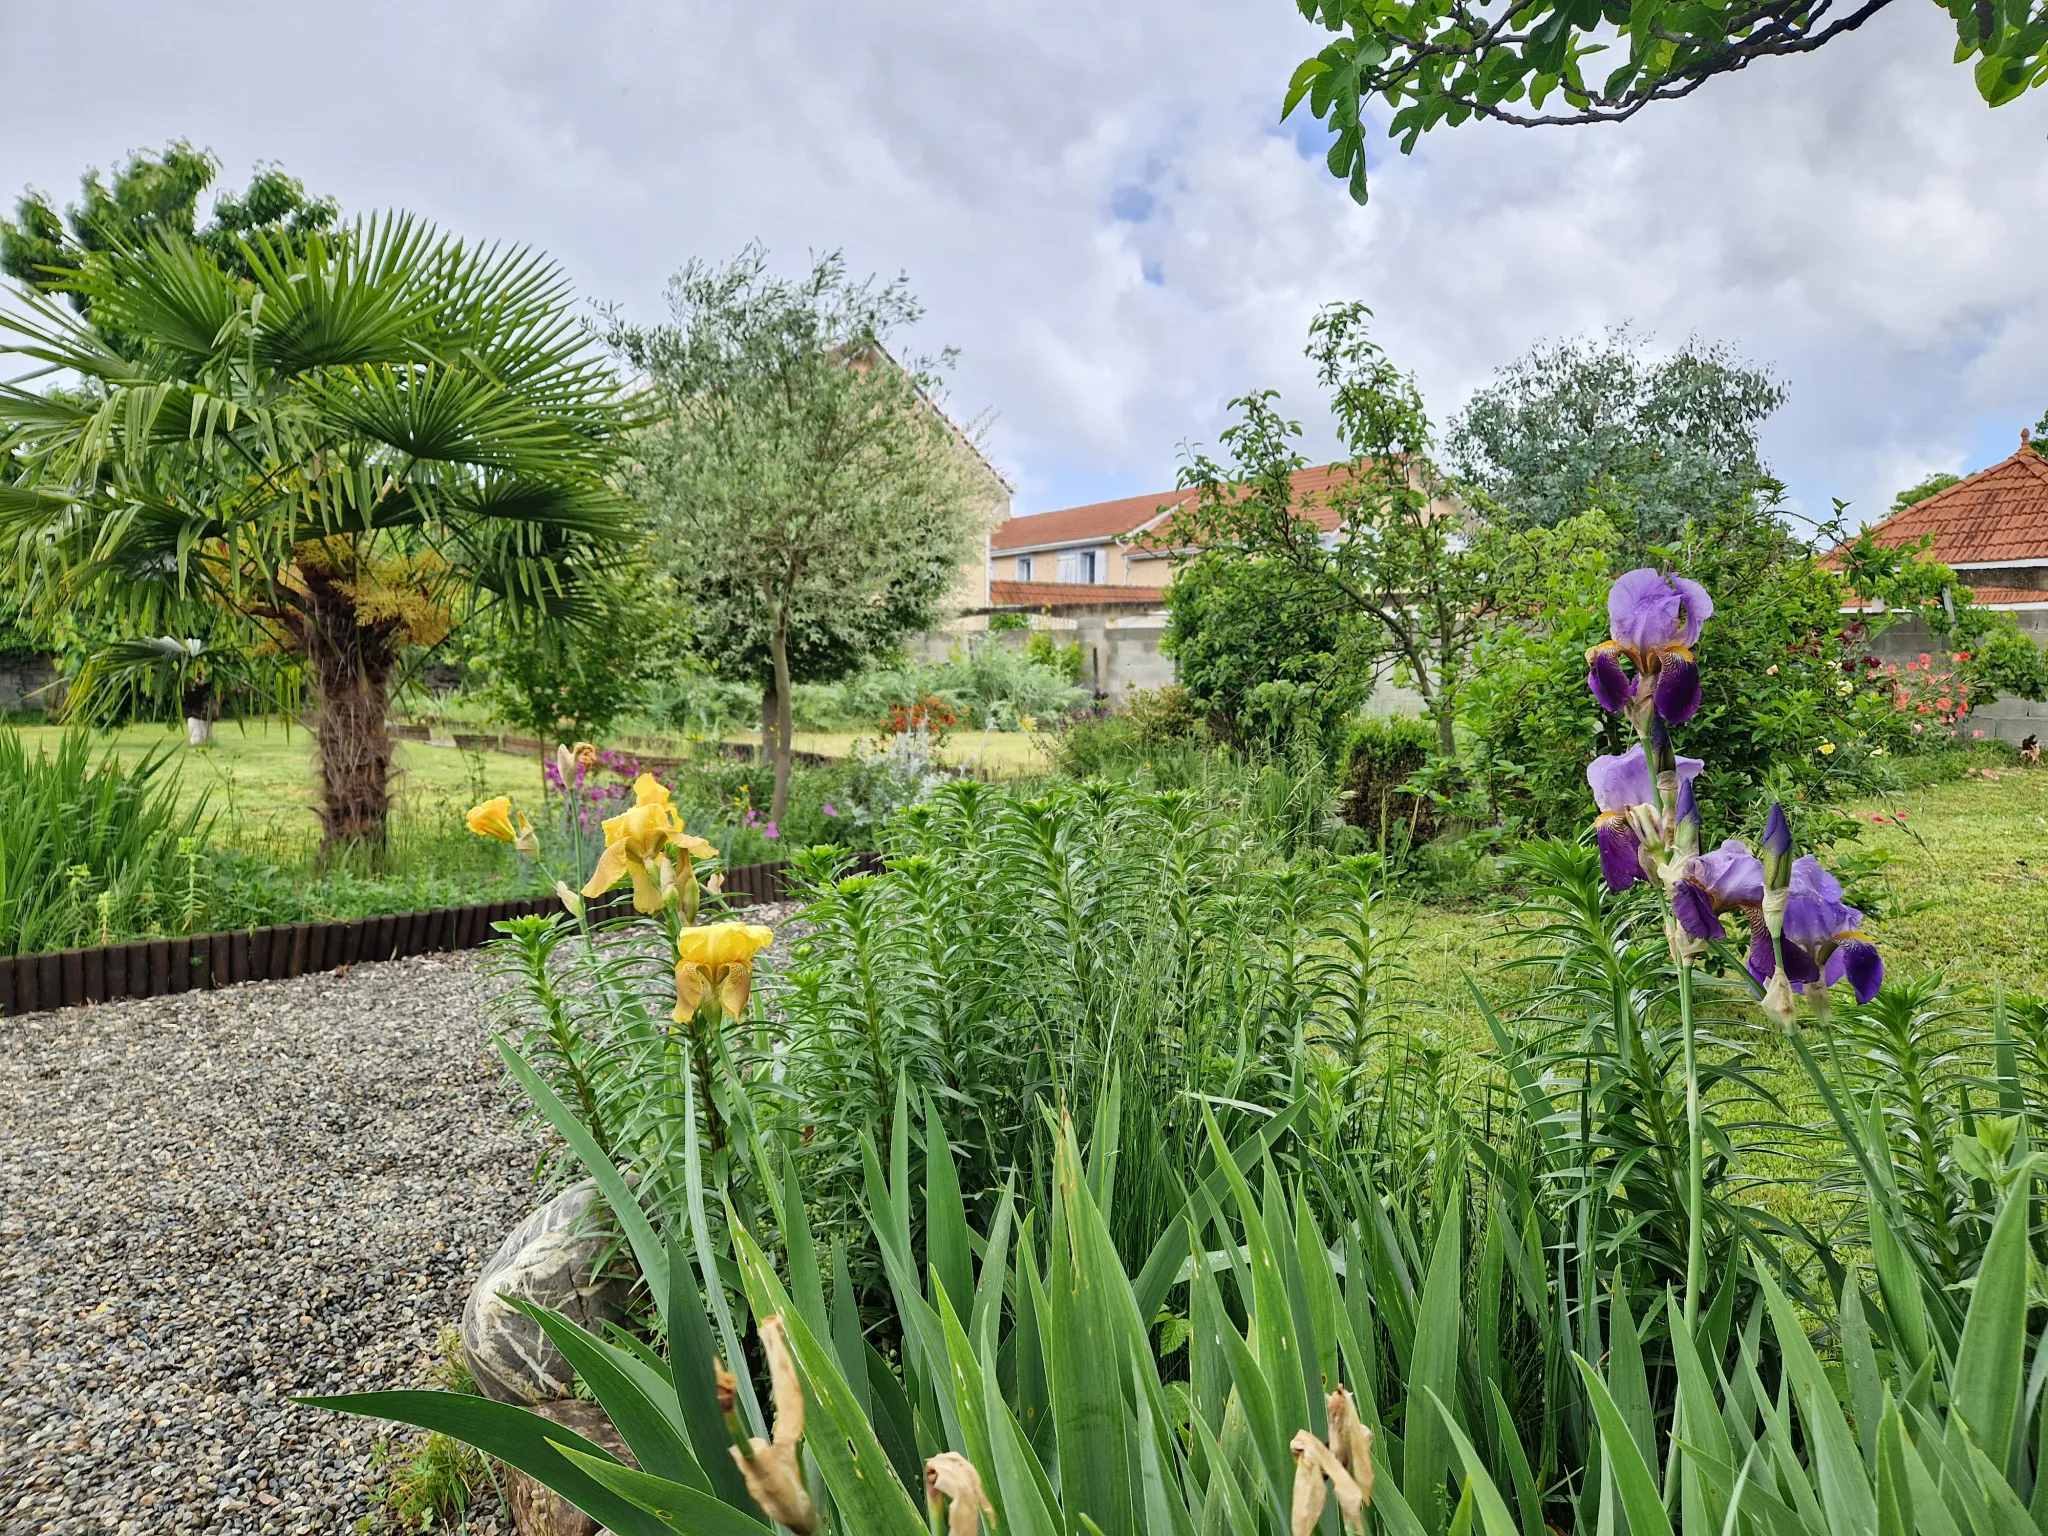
(1991, 529)
(1121, 552)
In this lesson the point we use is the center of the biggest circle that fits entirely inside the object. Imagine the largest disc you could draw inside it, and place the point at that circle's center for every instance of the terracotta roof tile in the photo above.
(1112, 519)
(2007, 597)
(1997, 515)
(1060, 594)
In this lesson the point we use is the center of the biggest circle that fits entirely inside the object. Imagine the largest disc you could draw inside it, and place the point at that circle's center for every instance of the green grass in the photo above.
(258, 777)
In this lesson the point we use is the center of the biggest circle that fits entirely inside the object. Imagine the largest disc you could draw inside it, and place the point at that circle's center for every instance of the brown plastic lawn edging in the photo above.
(201, 961)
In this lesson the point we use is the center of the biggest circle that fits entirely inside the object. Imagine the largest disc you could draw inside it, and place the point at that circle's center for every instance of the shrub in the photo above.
(1238, 626)
(1380, 758)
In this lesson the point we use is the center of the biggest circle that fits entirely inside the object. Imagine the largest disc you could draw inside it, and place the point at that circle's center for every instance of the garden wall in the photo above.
(2008, 718)
(202, 961)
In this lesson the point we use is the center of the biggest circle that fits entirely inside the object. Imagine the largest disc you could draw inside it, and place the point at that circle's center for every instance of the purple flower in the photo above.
(1776, 848)
(1730, 879)
(1823, 937)
(828, 809)
(1621, 784)
(1653, 621)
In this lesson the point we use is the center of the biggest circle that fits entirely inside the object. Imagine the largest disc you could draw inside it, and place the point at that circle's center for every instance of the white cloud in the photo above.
(1099, 209)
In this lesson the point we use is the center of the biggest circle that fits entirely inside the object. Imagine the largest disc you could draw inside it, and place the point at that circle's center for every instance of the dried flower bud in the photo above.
(569, 898)
(585, 755)
(771, 1468)
(950, 1475)
(1351, 1440)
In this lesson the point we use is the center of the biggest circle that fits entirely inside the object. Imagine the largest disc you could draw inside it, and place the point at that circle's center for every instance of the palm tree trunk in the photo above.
(351, 670)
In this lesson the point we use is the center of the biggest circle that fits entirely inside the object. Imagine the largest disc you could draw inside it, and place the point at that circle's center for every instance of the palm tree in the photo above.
(332, 460)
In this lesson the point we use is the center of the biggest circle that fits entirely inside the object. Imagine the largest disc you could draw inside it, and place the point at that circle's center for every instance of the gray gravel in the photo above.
(211, 1202)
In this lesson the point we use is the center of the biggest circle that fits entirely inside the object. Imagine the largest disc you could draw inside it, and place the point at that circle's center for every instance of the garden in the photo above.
(1603, 1100)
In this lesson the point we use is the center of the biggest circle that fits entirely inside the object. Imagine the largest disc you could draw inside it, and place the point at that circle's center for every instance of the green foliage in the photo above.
(811, 502)
(89, 848)
(565, 684)
(1777, 689)
(1604, 425)
(154, 197)
(1451, 61)
(1398, 561)
(1239, 623)
(330, 460)
(1913, 495)
(1380, 758)
(991, 684)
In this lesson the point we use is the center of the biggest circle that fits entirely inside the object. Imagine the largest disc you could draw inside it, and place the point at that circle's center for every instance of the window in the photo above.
(1079, 566)
(1023, 567)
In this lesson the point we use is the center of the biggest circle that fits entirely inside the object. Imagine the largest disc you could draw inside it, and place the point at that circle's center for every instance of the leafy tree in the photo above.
(1575, 426)
(1913, 495)
(330, 460)
(803, 484)
(1398, 560)
(1236, 625)
(155, 196)
(1542, 62)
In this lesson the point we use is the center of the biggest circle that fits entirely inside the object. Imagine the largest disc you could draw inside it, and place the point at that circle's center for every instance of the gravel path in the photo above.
(211, 1202)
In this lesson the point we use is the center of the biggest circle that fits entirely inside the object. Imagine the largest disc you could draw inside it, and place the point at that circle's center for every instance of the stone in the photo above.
(539, 1511)
(551, 1259)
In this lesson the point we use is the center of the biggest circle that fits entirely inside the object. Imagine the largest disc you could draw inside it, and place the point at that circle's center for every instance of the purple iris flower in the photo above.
(1823, 938)
(1621, 784)
(1730, 879)
(1654, 621)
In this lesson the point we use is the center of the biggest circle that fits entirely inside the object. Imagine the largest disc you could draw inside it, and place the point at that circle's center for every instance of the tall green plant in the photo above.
(90, 849)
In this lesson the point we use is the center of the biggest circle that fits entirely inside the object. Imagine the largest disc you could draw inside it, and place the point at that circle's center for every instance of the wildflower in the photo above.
(717, 960)
(1654, 621)
(949, 1475)
(1771, 670)
(1026, 722)
(827, 808)
(771, 1469)
(1626, 796)
(1827, 749)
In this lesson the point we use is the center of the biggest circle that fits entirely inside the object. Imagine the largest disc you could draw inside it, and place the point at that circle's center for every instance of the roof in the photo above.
(2010, 597)
(1998, 516)
(1065, 594)
(1104, 520)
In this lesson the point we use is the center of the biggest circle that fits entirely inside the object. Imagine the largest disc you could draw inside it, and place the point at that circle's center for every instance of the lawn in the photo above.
(997, 754)
(259, 776)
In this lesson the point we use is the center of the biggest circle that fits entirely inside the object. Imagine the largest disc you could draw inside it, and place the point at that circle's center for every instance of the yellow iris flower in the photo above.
(720, 957)
(494, 818)
(637, 844)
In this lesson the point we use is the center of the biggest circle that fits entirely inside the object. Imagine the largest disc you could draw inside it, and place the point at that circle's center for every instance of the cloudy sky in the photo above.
(1100, 209)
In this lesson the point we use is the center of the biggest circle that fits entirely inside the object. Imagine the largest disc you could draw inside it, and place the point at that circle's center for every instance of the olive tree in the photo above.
(802, 482)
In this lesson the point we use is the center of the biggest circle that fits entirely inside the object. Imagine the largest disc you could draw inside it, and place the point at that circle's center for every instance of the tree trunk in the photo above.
(771, 717)
(351, 668)
(778, 652)
(1446, 725)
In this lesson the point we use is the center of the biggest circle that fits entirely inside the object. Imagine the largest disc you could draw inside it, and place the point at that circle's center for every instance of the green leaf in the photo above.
(1844, 1485)
(1632, 1475)
(857, 1472)
(516, 1437)
(691, 1350)
(945, 1232)
(1991, 1360)
(1428, 1447)
(642, 1407)
(1493, 1509)
(1085, 1363)
(680, 1509)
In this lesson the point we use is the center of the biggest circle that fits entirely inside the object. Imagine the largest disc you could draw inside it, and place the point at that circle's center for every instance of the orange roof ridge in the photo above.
(1997, 516)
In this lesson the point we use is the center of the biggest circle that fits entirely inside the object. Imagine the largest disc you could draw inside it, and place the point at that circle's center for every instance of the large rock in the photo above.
(551, 1259)
(537, 1511)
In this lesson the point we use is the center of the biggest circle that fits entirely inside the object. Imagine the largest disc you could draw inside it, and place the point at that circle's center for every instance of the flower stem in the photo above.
(1695, 1194)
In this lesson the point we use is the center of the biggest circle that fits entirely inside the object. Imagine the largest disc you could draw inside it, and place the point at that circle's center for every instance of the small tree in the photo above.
(801, 470)
(1399, 556)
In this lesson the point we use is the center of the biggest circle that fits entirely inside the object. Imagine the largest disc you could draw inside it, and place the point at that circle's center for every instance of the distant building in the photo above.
(1991, 529)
